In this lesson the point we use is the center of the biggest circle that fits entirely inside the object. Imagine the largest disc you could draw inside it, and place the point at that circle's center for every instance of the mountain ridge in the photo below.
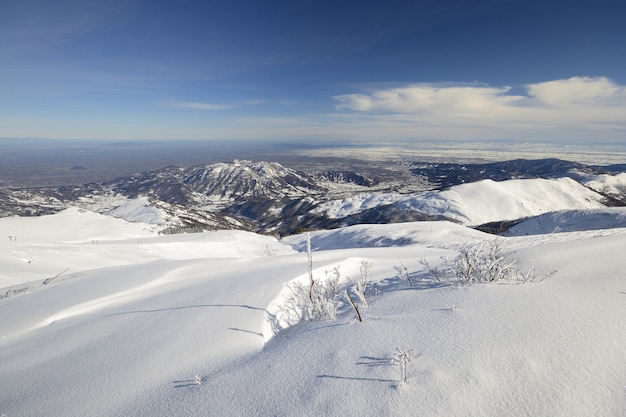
(268, 197)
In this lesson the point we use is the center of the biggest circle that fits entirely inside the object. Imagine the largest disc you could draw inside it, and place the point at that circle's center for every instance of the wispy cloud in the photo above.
(43, 25)
(201, 106)
(557, 108)
(217, 106)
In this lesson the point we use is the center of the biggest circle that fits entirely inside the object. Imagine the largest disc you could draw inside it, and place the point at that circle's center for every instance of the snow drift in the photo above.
(141, 324)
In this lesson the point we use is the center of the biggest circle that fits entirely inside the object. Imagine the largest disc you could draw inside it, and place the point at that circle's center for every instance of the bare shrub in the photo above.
(434, 271)
(402, 272)
(49, 280)
(9, 292)
(531, 276)
(362, 286)
(354, 305)
(403, 358)
(13, 291)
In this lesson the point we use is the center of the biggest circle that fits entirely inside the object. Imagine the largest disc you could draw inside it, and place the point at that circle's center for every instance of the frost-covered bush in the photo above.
(319, 299)
(325, 298)
(402, 272)
(363, 285)
(436, 272)
(403, 358)
(484, 262)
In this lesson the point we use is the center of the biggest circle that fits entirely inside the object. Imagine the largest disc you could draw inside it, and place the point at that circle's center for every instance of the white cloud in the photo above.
(554, 109)
(424, 98)
(578, 91)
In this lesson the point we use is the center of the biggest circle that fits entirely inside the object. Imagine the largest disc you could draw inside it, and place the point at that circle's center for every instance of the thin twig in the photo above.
(356, 307)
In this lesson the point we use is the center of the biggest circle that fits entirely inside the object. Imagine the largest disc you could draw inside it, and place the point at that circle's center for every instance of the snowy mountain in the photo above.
(259, 196)
(240, 180)
(480, 202)
(268, 197)
(446, 175)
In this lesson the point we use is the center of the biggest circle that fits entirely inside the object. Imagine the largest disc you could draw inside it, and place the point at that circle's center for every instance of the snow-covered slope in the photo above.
(75, 240)
(71, 225)
(147, 325)
(570, 221)
(611, 185)
(427, 234)
(481, 202)
(139, 210)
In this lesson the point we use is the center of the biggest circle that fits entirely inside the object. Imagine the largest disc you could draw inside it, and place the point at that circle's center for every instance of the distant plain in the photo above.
(44, 163)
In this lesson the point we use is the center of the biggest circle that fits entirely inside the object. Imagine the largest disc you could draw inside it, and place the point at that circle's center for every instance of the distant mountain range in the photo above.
(267, 197)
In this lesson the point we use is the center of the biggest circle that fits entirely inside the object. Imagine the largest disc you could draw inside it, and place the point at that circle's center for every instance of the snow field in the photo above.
(137, 316)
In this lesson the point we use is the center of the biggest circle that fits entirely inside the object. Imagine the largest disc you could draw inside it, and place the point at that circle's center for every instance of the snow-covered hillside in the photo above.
(571, 221)
(611, 185)
(480, 202)
(138, 324)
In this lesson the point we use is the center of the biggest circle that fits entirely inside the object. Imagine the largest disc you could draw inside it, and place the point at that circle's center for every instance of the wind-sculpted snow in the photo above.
(443, 235)
(77, 240)
(145, 325)
(285, 311)
(72, 225)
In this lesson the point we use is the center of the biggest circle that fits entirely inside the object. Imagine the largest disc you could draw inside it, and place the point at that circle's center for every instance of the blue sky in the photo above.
(311, 71)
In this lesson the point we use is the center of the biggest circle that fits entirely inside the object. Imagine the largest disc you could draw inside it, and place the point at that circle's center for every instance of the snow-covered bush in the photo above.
(326, 300)
(315, 302)
(319, 299)
(484, 262)
(434, 271)
(402, 272)
(362, 286)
